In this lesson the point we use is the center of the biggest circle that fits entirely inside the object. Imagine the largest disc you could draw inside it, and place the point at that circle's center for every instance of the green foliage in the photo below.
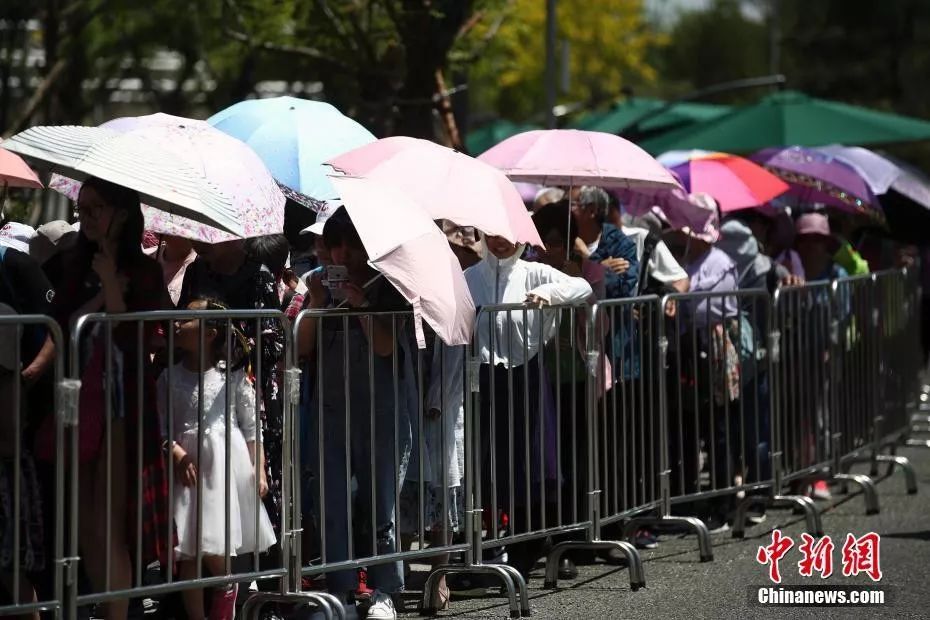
(607, 44)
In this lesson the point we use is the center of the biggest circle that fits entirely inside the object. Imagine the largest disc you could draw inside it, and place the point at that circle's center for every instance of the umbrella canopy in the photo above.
(674, 206)
(575, 157)
(153, 162)
(882, 173)
(619, 116)
(412, 252)
(791, 117)
(733, 181)
(493, 133)
(14, 172)
(447, 184)
(816, 176)
(294, 137)
(904, 190)
(228, 165)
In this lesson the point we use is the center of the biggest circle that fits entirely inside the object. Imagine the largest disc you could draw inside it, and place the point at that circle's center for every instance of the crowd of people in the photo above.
(195, 447)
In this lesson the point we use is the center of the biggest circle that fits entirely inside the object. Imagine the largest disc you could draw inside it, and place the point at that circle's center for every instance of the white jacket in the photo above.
(494, 281)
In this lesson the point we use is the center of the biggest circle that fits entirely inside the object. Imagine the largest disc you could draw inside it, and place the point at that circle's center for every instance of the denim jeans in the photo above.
(350, 435)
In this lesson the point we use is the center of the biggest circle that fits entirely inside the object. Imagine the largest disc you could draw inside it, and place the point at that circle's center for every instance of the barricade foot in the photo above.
(327, 603)
(868, 490)
(507, 574)
(739, 516)
(918, 443)
(910, 475)
(634, 561)
(705, 547)
(806, 504)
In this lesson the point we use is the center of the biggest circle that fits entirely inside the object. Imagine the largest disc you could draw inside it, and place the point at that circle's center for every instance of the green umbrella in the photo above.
(792, 118)
(621, 114)
(483, 138)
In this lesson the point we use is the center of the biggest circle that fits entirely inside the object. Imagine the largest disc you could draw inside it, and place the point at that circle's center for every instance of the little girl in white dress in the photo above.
(201, 470)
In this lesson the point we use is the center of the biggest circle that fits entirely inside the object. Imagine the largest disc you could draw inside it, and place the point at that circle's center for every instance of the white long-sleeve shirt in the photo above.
(508, 281)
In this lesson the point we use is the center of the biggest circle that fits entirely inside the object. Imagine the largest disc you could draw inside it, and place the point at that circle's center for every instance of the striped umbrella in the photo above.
(195, 181)
(734, 182)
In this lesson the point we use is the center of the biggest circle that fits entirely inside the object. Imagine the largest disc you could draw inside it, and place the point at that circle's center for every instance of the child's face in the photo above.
(187, 332)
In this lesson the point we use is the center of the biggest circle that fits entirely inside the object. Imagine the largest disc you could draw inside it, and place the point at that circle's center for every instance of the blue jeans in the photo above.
(349, 455)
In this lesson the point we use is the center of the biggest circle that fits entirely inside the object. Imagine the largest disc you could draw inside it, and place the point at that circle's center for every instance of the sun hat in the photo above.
(707, 206)
(50, 239)
(17, 236)
(325, 211)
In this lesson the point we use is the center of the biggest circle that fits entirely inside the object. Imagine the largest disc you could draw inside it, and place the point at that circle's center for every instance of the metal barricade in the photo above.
(630, 422)
(177, 414)
(721, 426)
(380, 438)
(35, 542)
(897, 368)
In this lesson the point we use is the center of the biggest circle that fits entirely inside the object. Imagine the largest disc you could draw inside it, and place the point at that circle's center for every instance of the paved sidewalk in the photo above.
(678, 586)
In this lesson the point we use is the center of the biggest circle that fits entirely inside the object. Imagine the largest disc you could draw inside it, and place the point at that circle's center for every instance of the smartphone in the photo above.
(336, 276)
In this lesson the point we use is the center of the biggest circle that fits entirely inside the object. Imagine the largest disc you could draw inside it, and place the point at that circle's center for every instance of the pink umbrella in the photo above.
(447, 184)
(14, 172)
(574, 157)
(405, 245)
(228, 163)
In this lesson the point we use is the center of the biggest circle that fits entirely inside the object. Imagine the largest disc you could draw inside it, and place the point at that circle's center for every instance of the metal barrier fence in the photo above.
(178, 417)
(31, 529)
(556, 423)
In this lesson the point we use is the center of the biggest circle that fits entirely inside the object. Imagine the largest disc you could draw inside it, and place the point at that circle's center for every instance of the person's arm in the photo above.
(682, 285)
(42, 361)
(250, 428)
(316, 300)
(26, 276)
(554, 287)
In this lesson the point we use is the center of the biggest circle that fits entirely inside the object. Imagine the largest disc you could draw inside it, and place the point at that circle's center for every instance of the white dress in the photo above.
(244, 502)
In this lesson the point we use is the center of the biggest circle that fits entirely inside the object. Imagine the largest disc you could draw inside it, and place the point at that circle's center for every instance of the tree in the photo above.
(714, 46)
(607, 44)
(379, 60)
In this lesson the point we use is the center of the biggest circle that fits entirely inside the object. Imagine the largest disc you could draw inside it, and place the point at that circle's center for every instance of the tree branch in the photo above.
(39, 97)
(293, 50)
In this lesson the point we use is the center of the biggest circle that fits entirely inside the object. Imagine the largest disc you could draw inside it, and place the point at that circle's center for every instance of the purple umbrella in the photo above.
(815, 176)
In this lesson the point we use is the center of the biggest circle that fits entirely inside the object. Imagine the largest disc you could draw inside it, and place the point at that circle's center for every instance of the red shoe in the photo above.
(363, 592)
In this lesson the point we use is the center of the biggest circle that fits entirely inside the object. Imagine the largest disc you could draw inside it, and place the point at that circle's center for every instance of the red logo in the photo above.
(771, 554)
(860, 555)
(818, 556)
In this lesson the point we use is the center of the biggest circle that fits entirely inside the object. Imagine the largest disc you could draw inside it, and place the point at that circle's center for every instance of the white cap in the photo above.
(17, 236)
(326, 211)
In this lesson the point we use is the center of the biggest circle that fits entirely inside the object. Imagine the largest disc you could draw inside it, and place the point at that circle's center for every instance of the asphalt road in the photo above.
(678, 586)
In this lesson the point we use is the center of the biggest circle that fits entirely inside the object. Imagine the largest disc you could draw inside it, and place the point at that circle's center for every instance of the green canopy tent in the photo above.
(791, 118)
(620, 115)
(486, 136)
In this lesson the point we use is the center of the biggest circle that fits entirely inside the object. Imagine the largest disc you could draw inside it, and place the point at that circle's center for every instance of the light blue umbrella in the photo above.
(294, 137)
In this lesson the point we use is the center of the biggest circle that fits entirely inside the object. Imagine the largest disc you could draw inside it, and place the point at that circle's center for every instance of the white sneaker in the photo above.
(382, 607)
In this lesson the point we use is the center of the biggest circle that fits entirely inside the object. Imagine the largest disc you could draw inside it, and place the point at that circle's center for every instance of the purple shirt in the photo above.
(714, 271)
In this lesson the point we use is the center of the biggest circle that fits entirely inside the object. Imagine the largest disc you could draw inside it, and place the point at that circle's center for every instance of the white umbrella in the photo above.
(136, 160)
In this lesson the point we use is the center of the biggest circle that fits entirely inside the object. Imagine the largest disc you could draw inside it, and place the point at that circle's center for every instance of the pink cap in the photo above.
(813, 224)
